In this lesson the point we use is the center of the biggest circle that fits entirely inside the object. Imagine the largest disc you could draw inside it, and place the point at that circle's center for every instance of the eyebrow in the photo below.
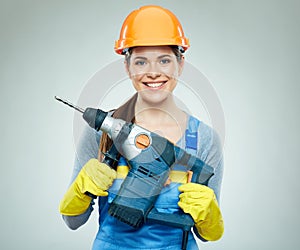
(140, 57)
(145, 58)
(166, 55)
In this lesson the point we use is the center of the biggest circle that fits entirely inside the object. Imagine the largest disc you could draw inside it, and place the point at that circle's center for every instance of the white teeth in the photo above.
(154, 85)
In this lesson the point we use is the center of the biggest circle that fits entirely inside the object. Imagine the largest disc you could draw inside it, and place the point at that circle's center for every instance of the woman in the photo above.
(153, 43)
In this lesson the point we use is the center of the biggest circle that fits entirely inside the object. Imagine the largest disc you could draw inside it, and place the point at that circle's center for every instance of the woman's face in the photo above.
(154, 72)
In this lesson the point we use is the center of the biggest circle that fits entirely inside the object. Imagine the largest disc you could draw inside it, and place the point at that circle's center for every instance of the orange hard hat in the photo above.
(151, 26)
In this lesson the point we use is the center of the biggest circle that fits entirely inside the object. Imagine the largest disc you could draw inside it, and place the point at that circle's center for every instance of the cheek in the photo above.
(136, 82)
(133, 75)
(135, 85)
(136, 78)
(172, 85)
(172, 72)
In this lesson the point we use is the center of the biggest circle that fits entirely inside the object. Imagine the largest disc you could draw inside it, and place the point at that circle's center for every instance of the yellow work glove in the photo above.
(200, 202)
(95, 178)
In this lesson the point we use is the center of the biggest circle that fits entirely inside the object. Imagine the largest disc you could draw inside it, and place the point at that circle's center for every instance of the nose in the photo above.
(153, 74)
(153, 71)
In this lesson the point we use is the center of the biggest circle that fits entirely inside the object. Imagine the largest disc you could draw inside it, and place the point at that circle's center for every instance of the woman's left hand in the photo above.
(201, 203)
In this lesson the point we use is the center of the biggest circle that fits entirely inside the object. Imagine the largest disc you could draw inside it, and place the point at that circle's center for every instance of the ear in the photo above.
(127, 68)
(181, 65)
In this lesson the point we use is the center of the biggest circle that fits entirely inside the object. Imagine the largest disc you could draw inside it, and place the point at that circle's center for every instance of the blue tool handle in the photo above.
(183, 221)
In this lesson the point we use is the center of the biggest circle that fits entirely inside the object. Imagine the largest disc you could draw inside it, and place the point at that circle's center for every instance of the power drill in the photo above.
(150, 158)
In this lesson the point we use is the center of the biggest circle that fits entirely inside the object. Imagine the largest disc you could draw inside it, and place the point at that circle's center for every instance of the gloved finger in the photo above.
(197, 211)
(101, 174)
(95, 190)
(93, 165)
(102, 180)
(188, 187)
(101, 193)
(185, 207)
(98, 178)
(106, 170)
(193, 195)
(195, 203)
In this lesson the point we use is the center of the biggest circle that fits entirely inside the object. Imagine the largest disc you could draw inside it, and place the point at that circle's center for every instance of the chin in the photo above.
(154, 99)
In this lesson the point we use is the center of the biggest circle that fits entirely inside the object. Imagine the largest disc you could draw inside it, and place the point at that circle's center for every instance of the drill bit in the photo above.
(69, 104)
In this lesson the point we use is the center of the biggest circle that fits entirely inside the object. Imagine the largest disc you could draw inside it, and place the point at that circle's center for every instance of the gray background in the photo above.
(249, 50)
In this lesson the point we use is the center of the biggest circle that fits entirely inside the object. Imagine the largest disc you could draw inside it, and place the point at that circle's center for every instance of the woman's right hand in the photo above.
(97, 177)
(94, 178)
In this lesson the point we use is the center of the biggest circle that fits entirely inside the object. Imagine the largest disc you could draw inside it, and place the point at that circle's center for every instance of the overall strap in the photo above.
(191, 136)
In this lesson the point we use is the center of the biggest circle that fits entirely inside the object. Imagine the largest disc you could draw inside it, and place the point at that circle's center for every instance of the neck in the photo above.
(153, 113)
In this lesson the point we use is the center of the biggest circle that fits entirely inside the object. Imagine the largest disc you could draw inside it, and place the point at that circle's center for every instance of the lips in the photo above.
(154, 84)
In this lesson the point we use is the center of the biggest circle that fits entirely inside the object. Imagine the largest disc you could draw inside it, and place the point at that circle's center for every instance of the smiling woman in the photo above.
(153, 43)
(154, 72)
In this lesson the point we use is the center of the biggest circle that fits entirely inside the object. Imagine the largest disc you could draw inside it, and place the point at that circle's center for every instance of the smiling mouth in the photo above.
(154, 84)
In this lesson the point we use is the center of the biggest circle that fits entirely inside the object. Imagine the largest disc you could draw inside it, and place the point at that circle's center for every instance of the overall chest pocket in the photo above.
(168, 199)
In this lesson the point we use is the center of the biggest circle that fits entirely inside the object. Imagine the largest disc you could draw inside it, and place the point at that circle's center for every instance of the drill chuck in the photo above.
(94, 117)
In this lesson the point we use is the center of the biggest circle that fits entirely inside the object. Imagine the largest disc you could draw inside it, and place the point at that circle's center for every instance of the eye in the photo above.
(140, 62)
(165, 61)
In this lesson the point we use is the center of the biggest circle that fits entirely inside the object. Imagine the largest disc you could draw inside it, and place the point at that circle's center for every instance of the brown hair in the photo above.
(127, 110)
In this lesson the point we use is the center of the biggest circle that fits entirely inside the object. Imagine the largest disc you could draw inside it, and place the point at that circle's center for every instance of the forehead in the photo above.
(152, 51)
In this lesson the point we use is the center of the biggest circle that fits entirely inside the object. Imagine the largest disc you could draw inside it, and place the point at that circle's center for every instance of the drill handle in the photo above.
(183, 221)
(111, 157)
